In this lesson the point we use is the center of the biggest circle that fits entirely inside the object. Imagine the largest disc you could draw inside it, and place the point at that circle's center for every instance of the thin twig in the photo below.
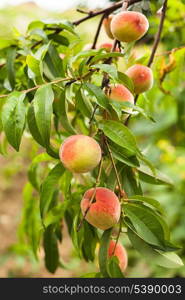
(93, 195)
(158, 35)
(98, 31)
(83, 11)
(38, 86)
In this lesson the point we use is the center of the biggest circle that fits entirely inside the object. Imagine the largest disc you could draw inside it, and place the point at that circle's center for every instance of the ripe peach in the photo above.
(120, 253)
(105, 211)
(80, 153)
(121, 94)
(129, 26)
(106, 24)
(142, 78)
(108, 47)
(62, 55)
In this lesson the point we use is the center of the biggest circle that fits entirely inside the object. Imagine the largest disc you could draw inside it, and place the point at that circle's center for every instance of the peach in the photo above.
(120, 253)
(62, 55)
(142, 78)
(80, 153)
(121, 94)
(104, 211)
(129, 26)
(108, 47)
(106, 24)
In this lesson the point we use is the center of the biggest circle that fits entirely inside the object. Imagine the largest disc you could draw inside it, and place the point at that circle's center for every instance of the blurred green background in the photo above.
(163, 142)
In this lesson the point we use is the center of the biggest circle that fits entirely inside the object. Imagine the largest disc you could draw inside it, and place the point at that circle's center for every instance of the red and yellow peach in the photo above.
(108, 47)
(120, 94)
(120, 253)
(142, 78)
(129, 26)
(106, 24)
(80, 153)
(104, 210)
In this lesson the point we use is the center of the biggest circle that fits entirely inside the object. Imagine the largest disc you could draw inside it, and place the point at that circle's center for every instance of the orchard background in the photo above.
(39, 198)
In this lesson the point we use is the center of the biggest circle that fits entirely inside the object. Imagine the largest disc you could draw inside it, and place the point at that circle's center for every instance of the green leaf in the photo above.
(10, 66)
(146, 224)
(166, 260)
(146, 175)
(49, 186)
(60, 39)
(130, 182)
(62, 113)
(114, 268)
(90, 234)
(56, 214)
(33, 126)
(35, 66)
(123, 155)
(109, 69)
(62, 24)
(103, 252)
(51, 249)
(126, 81)
(149, 201)
(77, 236)
(84, 105)
(52, 64)
(32, 171)
(43, 111)
(30, 227)
(97, 92)
(83, 54)
(103, 56)
(120, 135)
(13, 118)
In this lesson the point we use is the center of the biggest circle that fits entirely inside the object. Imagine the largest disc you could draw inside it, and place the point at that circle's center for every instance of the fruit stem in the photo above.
(119, 232)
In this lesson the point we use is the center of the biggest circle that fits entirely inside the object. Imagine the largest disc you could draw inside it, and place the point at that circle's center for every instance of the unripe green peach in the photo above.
(104, 212)
(108, 47)
(80, 153)
(121, 94)
(120, 253)
(142, 78)
(129, 26)
(106, 24)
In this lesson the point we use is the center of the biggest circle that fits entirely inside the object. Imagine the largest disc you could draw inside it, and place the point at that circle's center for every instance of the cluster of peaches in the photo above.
(81, 154)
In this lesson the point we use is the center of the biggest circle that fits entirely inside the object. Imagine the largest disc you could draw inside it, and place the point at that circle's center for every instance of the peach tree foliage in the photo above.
(51, 98)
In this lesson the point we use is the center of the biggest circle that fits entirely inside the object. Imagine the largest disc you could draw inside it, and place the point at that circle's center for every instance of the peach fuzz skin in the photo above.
(108, 47)
(129, 26)
(142, 78)
(105, 211)
(106, 24)
(120, 253)
(80, 153)
(121, 94)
